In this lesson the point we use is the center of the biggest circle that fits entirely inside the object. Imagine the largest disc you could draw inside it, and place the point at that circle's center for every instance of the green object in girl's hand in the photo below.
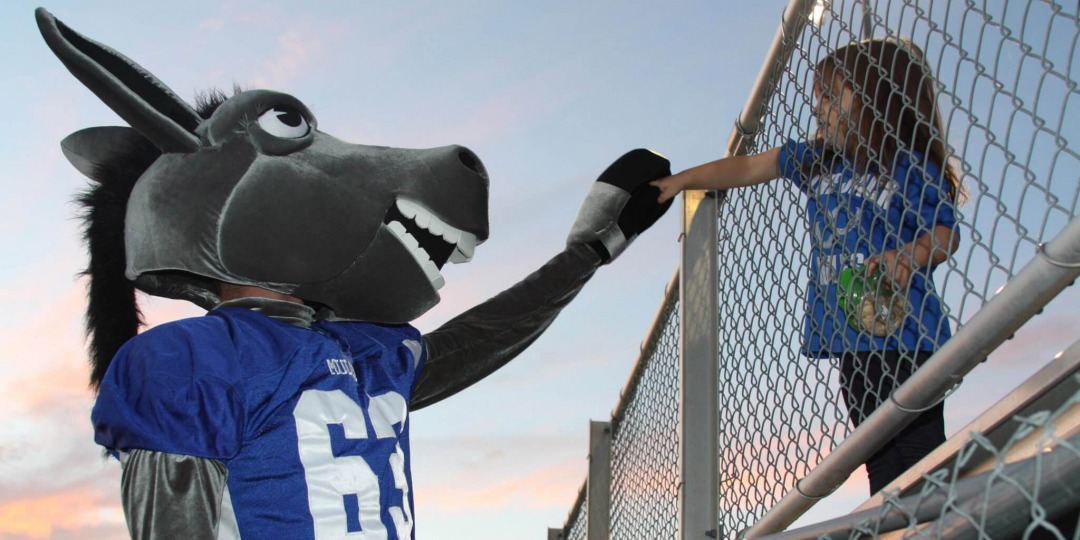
(870, 301)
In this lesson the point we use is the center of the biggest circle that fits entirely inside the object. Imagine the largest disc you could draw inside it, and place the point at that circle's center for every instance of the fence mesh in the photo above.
(645, 442)
(1005, 84)
(1031, 498)
(577, 525)
(1003, 78)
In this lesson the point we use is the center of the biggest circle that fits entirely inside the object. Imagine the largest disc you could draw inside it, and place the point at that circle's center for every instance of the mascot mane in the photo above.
(112, 312)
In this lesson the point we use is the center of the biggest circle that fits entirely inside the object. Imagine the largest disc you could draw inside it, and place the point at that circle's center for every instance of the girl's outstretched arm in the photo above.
(726, 173)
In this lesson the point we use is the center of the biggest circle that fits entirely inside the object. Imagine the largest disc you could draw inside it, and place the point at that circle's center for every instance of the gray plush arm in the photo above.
(168, 496)
(483, 339)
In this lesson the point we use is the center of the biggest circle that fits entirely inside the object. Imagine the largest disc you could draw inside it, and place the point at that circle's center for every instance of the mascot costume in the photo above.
(283, 413)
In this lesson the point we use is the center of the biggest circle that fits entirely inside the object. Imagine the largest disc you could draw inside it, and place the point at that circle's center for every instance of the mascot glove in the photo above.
(621, 204)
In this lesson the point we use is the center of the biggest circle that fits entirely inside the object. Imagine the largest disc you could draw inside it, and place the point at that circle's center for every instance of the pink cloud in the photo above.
(47, 339)
(296, 53)
(88, 510)
(52, 477)
(550, 486)
(517, 106)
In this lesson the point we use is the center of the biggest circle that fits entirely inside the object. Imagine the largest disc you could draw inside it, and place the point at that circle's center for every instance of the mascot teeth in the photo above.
(464, 249)
(463, 243)
(419, 254)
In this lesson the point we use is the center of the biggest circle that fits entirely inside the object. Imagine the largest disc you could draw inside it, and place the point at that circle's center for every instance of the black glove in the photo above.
(621, 204)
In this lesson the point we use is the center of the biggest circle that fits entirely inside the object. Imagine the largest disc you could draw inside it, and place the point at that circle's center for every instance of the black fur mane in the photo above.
(112, 313)
(207, 102)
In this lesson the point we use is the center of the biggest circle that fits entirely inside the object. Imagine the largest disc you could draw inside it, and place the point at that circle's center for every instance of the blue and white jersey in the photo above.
(312, 424)
(852, 216)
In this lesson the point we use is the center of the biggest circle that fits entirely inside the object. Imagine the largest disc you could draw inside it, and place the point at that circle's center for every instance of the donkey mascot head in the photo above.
(246, 190)
(251, 192)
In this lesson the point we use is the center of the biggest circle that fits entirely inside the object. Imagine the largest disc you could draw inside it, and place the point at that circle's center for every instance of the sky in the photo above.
(546, 93)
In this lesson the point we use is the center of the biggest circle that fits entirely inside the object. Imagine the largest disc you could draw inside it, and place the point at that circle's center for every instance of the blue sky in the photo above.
(547, 94)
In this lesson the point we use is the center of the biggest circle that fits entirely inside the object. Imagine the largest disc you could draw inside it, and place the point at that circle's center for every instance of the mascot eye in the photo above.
(285, 122)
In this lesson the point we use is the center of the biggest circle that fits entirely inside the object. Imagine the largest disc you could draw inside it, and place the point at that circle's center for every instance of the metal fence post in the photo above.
(599, 487)
(699, 408)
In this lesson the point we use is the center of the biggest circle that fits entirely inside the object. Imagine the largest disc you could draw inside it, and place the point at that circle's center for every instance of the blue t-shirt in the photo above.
(852, 216)
(310, 423)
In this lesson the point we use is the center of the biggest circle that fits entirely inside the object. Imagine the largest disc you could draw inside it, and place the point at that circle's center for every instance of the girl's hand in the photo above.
(927, 250)
(727, 173)
(669, 187)
(898, 265)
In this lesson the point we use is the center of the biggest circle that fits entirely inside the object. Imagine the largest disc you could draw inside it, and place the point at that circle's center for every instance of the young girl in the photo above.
(881, 198)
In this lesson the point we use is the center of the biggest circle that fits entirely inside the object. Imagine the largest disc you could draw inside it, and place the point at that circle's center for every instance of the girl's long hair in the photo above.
(895, 106)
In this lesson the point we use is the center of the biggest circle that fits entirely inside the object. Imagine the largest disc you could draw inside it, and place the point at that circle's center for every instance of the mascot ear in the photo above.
(621, 204)
(129, 90)
(89, 148)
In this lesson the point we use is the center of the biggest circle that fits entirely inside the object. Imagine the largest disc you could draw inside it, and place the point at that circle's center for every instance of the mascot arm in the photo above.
(486, 337)
(171, 496)
(620, 206)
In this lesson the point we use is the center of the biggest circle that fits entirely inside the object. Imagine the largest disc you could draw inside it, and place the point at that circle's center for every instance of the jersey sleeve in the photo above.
(794, 159)
(927, 194)
(173, 389)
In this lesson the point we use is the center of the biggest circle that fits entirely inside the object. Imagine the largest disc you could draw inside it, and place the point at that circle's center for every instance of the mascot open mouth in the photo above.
(430, 240)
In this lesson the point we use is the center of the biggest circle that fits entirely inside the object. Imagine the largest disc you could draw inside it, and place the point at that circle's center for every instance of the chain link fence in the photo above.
(1003, 80)
(645, 442)
(576, 524)
(1005, 86)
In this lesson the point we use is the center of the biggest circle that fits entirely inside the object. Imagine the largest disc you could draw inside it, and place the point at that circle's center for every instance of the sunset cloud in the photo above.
(52, 476)
(88, 509)
(511, 480)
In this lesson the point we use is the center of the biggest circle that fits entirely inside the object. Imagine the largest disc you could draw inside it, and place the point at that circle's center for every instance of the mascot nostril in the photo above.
(283, 412)
(470, 160)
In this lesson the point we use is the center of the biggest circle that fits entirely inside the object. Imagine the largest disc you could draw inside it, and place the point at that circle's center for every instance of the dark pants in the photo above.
(866, 380)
